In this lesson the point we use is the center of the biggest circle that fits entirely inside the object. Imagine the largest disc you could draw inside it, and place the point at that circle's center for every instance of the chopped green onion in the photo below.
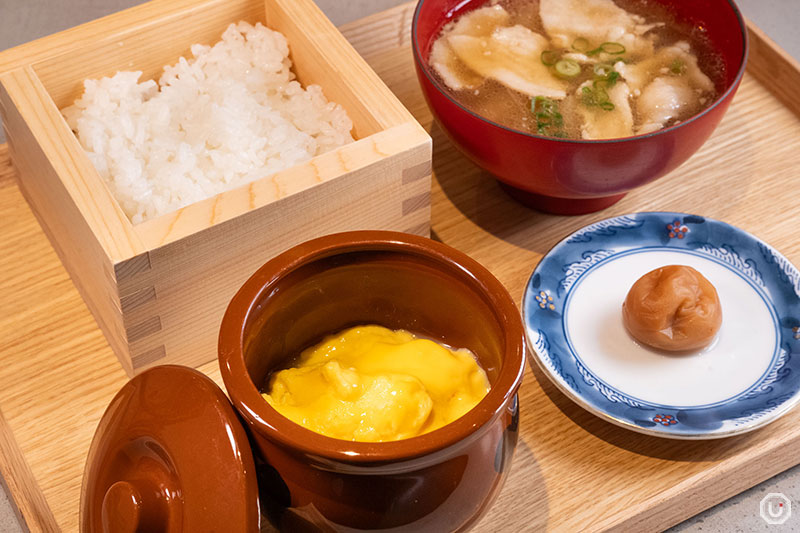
(600, 95)
(568, 68)
(607, 81)
(549, 58)
(580, 44)
(612, 48)
(677, 67)
(545, 109)
(605, 75)
(587, 96)
(547, 116)
(608, 48)
(603, 69)
(597, 95)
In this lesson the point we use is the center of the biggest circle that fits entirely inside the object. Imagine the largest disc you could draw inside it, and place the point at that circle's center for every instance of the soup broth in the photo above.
(580, 69)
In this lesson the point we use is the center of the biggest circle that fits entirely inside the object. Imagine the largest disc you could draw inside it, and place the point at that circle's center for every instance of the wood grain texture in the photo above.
(34, 115)
(57, 366)
(31, 510)
(374, 154)
(774, 67)
(572, 471)
(194, 278)
(68, 211)
(158, 289)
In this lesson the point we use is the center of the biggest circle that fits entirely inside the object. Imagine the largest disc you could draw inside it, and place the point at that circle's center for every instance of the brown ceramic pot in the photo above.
(439, 481)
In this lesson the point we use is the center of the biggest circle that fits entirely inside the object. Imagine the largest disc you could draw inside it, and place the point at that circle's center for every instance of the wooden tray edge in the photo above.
(28, 500)
(706, 490)
(773, 67)
(24, 494)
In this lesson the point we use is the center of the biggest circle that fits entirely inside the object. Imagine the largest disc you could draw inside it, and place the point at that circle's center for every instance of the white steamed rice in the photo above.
(232, 114)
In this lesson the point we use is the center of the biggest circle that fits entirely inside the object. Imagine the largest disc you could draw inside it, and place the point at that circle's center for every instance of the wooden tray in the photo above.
(572, 471)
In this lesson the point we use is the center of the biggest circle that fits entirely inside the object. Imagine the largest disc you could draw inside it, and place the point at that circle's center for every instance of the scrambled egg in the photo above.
(372, 384)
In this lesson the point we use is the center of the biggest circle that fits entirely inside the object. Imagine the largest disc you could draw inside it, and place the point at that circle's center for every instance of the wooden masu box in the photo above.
(158, 289)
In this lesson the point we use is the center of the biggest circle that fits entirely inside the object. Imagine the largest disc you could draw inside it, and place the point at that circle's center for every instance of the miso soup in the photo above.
(580, 69)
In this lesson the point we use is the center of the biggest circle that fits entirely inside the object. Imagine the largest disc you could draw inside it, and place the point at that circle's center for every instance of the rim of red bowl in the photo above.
(424, 67)
(250, 404)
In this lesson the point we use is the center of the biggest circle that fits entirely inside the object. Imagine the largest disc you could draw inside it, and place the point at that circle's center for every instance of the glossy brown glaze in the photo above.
(169, 455)
(439, 481)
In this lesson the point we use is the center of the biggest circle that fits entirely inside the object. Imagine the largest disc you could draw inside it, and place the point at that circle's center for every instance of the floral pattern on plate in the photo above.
(587, 368)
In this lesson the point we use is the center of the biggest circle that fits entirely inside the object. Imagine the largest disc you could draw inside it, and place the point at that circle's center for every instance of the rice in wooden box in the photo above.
(158, 287)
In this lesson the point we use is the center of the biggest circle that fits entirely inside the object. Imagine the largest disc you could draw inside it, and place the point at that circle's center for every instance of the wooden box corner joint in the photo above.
(158, 289)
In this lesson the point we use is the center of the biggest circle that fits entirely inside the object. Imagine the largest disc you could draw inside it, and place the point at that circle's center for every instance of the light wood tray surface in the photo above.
(572, 471)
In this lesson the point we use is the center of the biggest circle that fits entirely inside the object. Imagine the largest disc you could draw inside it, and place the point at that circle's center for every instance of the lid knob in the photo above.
(122, 508)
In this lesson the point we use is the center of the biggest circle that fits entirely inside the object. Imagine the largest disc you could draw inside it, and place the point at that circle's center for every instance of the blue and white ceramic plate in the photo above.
(748, 377)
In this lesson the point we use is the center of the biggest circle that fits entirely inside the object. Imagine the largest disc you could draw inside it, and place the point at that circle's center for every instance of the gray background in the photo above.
(25, 20)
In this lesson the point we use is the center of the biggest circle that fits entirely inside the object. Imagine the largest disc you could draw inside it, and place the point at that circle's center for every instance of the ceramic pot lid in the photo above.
(169, 455)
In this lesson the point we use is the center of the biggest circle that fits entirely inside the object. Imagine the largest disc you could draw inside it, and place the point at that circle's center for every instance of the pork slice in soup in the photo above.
(607, 122)
(596, 22)
(510, 55)
(482, 46)
(480, 24)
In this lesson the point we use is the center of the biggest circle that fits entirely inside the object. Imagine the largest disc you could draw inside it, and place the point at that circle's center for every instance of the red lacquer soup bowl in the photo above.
(438, 481)
(580, 176)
